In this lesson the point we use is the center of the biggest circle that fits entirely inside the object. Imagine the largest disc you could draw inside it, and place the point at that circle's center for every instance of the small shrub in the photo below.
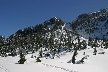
(38, 59)
(32, 56)
(82, 60)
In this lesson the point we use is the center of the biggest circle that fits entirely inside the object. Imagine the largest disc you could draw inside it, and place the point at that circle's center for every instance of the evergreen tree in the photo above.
(95, 51)
(22, 58)
(73, 57)
(40, 53)
(106, 44)
(84, 53)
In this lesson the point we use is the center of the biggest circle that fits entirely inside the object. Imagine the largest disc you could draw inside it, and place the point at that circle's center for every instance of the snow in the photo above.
(51, 26)
(94, 63)
(67, 26)
(97, 33)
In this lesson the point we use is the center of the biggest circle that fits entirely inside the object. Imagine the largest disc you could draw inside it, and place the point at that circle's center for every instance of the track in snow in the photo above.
(52, 66)
(4, 69)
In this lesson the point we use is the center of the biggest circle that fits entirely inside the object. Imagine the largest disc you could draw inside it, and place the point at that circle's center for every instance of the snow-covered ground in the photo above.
(94, 63)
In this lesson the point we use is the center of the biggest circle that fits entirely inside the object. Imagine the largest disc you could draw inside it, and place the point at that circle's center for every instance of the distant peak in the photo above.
(55, 17)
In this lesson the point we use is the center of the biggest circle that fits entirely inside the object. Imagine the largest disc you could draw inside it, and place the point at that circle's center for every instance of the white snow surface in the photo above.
(94, 63)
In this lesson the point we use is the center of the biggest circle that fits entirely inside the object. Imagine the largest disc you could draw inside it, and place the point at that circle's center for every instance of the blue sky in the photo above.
(18, 14)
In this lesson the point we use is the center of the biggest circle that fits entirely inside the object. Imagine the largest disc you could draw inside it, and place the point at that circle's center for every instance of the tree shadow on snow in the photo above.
(16, 63)
(69, 61)
(78, 62)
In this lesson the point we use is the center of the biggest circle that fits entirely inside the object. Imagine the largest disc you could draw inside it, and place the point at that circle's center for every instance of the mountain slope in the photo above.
(93, 24)
(51, 34)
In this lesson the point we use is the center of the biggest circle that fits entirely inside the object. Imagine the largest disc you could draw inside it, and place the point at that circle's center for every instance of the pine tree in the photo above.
(106, 44)
(73, 57)
(40, 53)
(84, 53)
(22, 58)
(95, 51)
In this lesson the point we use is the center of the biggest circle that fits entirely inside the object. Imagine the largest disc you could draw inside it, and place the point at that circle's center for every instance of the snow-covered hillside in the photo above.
(94, 63)
(93, 24)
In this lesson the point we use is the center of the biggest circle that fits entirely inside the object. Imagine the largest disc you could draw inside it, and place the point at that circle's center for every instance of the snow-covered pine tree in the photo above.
(22, 58)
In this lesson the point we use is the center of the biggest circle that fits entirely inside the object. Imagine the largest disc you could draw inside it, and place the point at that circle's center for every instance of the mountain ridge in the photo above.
(93, 24)
(55, 33)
